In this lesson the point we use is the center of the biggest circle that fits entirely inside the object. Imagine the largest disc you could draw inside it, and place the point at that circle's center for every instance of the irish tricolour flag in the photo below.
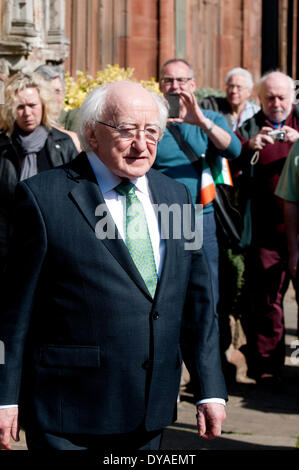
(219, 173)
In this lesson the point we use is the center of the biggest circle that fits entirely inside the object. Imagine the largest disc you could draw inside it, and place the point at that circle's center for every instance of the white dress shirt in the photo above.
(115, 202)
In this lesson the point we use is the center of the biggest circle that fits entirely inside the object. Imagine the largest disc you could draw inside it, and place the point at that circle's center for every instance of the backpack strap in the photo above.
(195, 161)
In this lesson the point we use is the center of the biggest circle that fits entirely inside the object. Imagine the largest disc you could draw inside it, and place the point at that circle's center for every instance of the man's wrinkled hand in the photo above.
(194, 114)
(259, 141)
(9, 427)
(209, 419)
(291, 135)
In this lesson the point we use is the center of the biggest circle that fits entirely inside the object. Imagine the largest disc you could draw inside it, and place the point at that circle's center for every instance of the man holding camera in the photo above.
(266, 141)
(192, 151)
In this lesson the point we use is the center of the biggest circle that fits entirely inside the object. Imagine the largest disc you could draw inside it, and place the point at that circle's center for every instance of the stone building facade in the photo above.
(214, 35)
(31, 32)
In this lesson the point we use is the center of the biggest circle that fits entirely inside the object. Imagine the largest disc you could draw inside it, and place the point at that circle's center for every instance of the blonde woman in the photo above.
(29, 143)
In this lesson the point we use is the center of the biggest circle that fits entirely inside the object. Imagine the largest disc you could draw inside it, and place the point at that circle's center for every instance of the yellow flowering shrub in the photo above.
(77, 89)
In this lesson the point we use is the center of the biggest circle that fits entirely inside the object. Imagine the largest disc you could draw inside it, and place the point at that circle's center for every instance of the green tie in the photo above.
(137, 236)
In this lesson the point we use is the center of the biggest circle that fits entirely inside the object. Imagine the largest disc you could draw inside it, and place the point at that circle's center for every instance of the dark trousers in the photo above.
(211, 250)
(267, 284)
(136, 440)
(219, 279)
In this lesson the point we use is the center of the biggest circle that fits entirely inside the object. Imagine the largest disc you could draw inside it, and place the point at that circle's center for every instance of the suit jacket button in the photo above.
(155, 315)
(146, 364)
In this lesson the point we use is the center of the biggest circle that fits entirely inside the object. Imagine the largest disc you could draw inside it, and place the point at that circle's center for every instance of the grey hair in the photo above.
(290, 80)
(174, 61)
(94, 106)
(50, 72)
(240, 71)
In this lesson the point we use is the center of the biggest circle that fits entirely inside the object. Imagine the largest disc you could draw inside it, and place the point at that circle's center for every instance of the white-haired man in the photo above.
(235, 106)
(94, 330)
(268, 276)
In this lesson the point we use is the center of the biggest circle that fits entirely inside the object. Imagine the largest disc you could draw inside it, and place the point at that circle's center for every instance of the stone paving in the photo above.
(258, 417)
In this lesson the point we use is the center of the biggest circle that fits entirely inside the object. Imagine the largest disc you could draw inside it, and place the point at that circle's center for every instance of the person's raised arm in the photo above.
(220, 137)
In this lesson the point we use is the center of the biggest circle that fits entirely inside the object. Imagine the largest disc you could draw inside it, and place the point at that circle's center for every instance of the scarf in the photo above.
(29, 145)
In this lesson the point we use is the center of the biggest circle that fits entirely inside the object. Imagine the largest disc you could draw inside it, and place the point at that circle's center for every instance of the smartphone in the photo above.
(174, 105)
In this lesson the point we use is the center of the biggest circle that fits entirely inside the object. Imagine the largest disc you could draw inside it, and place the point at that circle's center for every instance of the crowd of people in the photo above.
(106, 309)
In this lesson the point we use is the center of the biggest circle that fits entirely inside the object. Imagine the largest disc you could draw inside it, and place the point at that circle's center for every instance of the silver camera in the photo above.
(277, 135)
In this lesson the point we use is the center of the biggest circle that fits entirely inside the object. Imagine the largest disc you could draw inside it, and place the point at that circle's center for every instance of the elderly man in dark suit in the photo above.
(94, 331)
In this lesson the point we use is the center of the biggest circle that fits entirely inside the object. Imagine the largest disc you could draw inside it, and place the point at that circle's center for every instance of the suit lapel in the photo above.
(89, 200)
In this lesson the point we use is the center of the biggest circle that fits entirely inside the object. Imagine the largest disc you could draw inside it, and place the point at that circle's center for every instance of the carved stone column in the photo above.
(57, 45)
(22, 18)
(31, 33)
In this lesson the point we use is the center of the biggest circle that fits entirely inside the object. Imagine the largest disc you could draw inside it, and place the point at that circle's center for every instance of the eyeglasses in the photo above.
(152, 133)
(239, 87)
(180, 80)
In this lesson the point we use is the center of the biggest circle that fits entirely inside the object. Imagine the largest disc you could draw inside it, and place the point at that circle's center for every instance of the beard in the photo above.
(284, 113)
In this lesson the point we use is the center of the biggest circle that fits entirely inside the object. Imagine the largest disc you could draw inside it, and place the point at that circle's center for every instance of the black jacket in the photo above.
(59, 149)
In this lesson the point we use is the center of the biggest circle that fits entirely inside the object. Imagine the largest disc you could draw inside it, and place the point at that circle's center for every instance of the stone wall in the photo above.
(123, 32)
(228, 34)
(213, 35)
(31, 33)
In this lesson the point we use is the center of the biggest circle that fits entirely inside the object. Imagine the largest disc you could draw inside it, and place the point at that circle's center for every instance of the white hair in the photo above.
(289, 79)
(240, 71)
(95, 105)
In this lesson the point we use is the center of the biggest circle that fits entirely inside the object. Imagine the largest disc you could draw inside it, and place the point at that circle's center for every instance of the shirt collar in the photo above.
(108, 180)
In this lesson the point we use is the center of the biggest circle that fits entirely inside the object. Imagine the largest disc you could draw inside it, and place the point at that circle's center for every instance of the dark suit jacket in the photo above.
(58, 150)
(99, 355)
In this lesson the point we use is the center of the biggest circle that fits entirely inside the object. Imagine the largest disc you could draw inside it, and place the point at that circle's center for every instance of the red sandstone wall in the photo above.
(221, 34)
